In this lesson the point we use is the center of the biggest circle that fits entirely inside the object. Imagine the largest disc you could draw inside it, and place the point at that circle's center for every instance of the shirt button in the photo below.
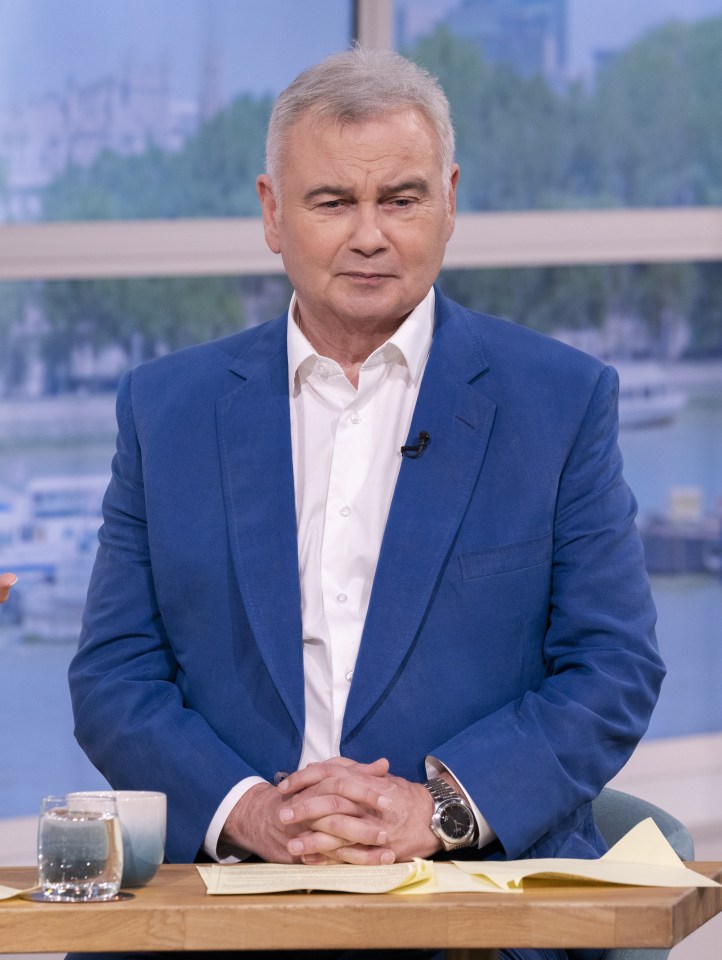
(349, 675)
(355, 418)
(345, 511)
(341, 597)
(322, 369)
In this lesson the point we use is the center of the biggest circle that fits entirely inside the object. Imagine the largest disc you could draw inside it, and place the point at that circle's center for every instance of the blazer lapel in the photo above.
(254, 437)
(431, 496)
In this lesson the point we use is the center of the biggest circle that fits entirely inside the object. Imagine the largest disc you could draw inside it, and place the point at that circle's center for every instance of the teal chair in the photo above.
(615, 814)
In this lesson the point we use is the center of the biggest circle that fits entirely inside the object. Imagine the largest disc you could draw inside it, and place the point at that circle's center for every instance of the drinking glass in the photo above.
(80, 848)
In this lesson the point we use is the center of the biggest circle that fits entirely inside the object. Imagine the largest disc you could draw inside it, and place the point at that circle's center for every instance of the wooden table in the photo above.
(174, 913)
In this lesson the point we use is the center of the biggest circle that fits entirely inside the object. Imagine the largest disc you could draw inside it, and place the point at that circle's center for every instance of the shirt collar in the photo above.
(412, 341)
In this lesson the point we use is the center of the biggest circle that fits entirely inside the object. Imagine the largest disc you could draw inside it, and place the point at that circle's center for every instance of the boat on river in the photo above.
(646, 395)
(48, 536)
(686, 539)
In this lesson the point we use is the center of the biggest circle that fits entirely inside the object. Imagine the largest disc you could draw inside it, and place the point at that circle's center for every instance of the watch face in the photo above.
(455, 820)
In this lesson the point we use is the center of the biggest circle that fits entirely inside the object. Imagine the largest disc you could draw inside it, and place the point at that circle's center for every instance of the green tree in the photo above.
(706, 311)
(143, 316)
(12, 296)
(650, 132)
(213, 175)
(509, 129)
(657, 114)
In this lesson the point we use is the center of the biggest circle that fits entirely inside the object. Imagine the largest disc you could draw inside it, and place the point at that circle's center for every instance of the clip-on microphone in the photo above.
(413, 451)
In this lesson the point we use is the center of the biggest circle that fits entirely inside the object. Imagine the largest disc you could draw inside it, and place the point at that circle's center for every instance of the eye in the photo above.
(401, 203)
(331, 205)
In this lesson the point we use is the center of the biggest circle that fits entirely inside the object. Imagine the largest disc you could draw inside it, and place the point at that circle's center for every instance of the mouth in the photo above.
(358, 276)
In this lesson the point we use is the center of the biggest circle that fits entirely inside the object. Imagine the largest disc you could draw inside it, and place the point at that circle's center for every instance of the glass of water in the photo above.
(80, 848)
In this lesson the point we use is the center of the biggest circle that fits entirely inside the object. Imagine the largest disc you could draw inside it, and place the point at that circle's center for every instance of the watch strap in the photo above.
(441, 790)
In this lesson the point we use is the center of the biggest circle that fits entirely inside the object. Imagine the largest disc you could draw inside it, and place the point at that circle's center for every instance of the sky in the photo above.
(612, 24)
(592, 24)
(42, 42)
(264, 44)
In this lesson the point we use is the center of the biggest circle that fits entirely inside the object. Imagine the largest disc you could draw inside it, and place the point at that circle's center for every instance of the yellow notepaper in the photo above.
(445, 877)
(7, 893)
(249, 878)
(641, 858)
(644, 843)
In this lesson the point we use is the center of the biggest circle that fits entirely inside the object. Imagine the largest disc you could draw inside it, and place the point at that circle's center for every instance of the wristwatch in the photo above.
(453, 819)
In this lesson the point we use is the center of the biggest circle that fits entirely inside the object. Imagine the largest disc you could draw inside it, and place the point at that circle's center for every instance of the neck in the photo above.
(348, 346)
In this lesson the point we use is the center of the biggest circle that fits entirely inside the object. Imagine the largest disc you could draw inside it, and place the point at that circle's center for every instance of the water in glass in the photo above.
(80, 848)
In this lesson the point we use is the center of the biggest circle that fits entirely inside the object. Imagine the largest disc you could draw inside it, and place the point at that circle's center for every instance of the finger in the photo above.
(364, 856)
(310, 843)
(318, 860)
(377, 768)
(330, 796)
(302, 779)
(329, 844)
(315, 773)
(367, 832)
(339, 835)
(314, 806)
(7, 580)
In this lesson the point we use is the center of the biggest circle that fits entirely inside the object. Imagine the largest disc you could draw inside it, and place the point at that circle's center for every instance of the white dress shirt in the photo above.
(346, 458)
(346, 444)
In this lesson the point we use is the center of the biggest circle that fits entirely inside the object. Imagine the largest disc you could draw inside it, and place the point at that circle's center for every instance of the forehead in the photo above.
(381, 143)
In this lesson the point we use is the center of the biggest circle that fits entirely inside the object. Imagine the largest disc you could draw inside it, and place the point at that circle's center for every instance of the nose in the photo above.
(367, 236)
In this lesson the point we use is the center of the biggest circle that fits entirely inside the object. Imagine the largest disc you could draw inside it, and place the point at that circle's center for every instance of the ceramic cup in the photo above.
(142, 815)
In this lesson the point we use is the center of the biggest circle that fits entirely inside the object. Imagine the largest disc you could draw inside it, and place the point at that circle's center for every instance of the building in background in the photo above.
(124, 113)
(528, 36)
(146, 143)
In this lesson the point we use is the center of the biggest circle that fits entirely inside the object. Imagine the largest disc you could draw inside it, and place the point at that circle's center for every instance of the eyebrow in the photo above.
(326, 189)
(416, 184)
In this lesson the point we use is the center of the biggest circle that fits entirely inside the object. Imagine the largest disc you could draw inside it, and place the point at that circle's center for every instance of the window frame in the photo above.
(223, 246)
(205, 247)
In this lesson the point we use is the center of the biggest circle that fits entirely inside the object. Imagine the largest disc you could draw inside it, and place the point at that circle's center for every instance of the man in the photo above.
(377, 542)
(7, 581)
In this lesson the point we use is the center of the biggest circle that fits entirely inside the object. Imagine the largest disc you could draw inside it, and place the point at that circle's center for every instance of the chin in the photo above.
(372, 305)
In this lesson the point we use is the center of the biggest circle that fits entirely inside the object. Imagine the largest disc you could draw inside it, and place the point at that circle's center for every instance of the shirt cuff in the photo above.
(212, 846)
(433, 768)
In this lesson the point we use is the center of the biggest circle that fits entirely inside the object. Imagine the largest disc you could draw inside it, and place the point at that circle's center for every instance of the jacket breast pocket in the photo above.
(506, 558)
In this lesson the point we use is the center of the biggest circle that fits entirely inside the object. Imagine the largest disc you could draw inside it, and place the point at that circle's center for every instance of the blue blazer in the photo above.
(510, 631)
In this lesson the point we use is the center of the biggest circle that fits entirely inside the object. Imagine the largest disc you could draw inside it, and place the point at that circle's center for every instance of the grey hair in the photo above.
(355, 86)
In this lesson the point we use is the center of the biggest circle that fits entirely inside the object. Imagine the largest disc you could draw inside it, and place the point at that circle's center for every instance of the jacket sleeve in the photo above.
(530, 765)
(130, 717)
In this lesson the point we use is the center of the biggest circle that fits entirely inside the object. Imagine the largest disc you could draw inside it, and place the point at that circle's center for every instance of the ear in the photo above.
(269, 211)
(451, 216)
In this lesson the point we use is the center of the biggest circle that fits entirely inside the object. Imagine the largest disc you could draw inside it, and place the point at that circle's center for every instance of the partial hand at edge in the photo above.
(7, 580)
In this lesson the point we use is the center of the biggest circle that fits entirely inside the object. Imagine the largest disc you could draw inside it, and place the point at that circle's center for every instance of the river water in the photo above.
(39, 754)
(684, 454)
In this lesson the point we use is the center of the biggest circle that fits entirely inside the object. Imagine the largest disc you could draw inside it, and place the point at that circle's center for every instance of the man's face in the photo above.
(364, 221)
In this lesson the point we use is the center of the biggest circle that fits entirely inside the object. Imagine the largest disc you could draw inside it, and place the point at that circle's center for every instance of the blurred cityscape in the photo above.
(560, 116)
(529, 36)
(642, 127)
(126, 114)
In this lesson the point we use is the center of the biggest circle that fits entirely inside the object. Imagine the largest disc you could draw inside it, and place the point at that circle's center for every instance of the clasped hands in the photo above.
(335, 811)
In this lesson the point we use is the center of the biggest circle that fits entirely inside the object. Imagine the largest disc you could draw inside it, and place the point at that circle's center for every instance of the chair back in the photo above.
(615, 814)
